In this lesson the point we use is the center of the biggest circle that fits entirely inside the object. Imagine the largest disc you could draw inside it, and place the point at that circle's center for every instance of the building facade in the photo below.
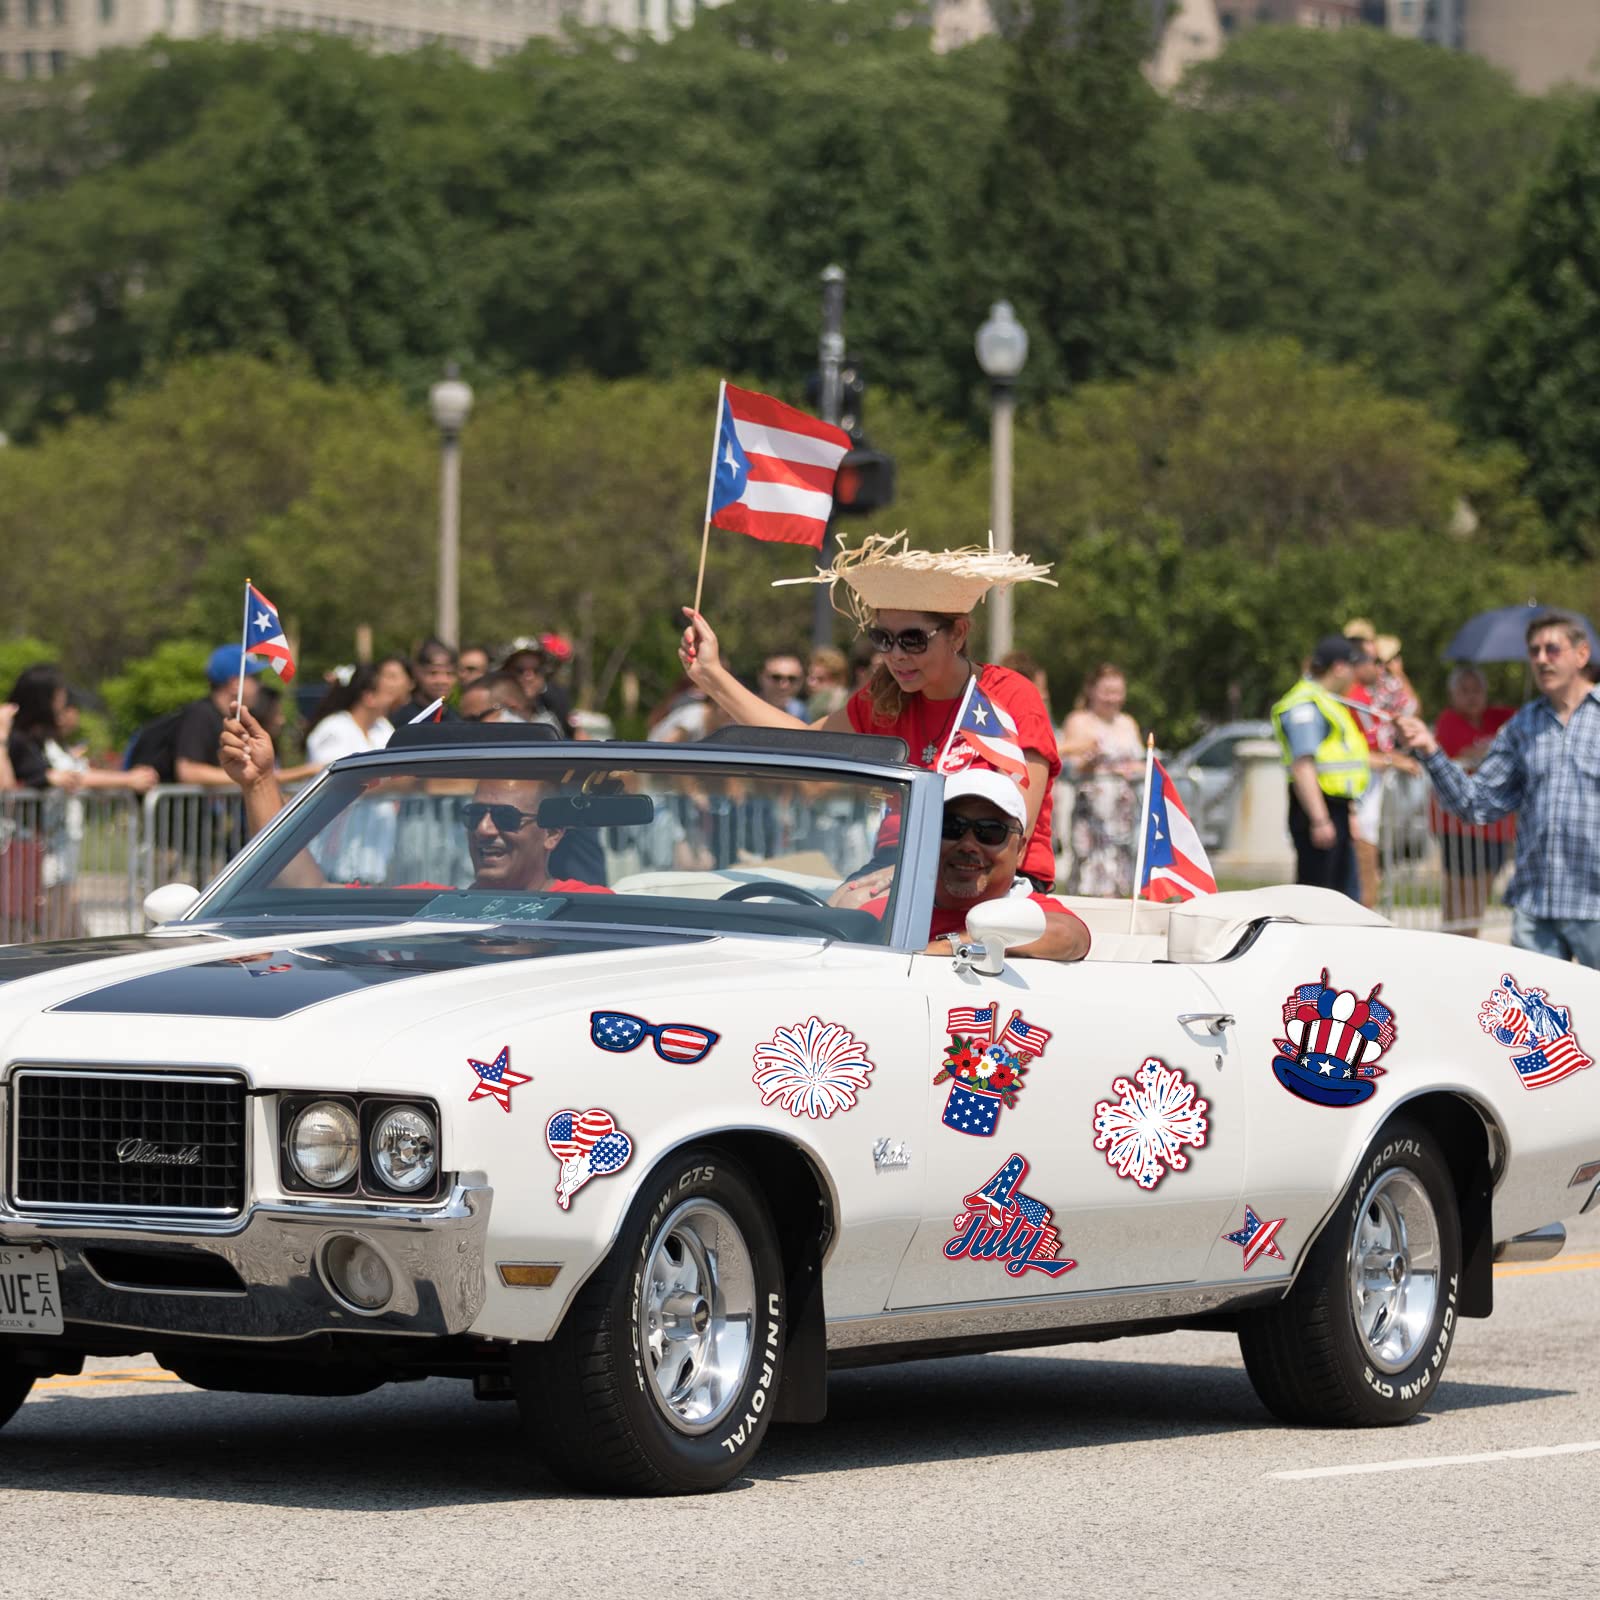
(1541, 43)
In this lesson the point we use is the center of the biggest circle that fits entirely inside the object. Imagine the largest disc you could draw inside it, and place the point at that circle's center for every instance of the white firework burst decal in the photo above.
(812, 1069)
(1144, 1132)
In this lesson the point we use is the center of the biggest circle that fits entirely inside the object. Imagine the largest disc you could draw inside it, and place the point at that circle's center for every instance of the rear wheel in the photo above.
(1363, 1337)
(662, 1375)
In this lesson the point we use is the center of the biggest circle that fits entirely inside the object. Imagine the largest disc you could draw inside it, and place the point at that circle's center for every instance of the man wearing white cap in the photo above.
(985, 817)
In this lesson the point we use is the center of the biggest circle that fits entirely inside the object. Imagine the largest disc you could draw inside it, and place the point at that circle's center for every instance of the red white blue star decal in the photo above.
(1257, 1238)
(496, 1080)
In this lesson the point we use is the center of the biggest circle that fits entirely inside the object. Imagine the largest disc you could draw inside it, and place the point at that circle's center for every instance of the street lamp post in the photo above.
(450, 401)
(1002, 346)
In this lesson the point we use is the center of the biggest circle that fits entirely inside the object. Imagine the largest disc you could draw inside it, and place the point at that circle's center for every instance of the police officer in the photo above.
(1326, 759)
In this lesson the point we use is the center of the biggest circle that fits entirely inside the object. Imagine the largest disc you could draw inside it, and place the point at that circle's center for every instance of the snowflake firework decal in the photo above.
(1143, 1133)
(812, 1069)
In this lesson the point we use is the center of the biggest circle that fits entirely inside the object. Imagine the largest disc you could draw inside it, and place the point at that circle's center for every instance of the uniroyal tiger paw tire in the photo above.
(1363, 1337)
(662, 1376)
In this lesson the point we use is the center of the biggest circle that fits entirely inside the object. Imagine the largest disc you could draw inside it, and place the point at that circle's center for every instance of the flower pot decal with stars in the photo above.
(985, 1073)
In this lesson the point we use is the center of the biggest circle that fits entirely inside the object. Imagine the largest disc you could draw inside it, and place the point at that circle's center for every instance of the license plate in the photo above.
(30, 1299)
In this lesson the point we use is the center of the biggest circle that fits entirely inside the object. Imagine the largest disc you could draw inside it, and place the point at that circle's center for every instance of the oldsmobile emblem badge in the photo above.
(886, 1153)
(142, 1153)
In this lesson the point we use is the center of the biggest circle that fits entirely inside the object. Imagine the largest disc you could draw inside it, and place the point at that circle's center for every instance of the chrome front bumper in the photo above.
(435, 1258)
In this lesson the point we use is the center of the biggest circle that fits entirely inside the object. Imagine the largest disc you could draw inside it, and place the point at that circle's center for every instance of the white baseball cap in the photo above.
(995, 787)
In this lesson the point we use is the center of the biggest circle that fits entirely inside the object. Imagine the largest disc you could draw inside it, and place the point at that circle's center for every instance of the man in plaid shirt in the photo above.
(1545, 766)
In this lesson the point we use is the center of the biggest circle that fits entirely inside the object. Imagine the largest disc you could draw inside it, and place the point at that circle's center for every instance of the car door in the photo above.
(1105, 1131)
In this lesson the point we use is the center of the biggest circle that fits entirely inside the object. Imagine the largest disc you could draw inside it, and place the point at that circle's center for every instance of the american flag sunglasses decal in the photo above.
(620, 1031)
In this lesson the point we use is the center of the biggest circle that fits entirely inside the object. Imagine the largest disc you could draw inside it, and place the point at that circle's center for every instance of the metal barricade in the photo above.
(1441, 873)
(189, 834)
(68, 864)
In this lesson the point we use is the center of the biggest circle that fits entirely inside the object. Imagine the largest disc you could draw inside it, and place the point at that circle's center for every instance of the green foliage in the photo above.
(17, 655)
(1362, 191)
(1538, 378)
(172, 675)
(1083, 223)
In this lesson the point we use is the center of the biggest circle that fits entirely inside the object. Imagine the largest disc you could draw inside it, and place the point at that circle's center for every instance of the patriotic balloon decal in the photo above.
(811, 1069)
(588, 1144)
(1143, 1132)
(1526, 1021)
(1330, 1056)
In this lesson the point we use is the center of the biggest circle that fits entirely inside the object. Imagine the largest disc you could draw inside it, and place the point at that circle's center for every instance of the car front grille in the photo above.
(127, 1141)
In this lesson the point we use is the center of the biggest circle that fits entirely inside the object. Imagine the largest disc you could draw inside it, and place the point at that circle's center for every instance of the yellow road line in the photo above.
(1589, 1261)
(120, 1375)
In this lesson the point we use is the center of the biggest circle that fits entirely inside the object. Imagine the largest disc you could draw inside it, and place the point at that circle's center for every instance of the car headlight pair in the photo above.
(324, 1144)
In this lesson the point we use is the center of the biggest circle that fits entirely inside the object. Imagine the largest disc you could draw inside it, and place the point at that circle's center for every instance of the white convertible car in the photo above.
(652, 1145)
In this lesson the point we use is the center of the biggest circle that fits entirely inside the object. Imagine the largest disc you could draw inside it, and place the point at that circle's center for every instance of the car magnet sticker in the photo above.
(988, 1072)
(1525, 1020)
(811, 1069)
(588, 1144)
(1334, 1041)
(496, 1080)
(1257, 1238)
(620, 1032)
(1000, 1223)
(1143, 1132)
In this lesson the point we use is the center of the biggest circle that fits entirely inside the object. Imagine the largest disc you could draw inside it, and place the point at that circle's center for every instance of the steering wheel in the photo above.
(778, 891)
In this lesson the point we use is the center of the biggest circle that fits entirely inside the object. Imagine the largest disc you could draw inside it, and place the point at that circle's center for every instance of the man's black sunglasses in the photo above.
(911, 642)
(506, 819)
(991, 832)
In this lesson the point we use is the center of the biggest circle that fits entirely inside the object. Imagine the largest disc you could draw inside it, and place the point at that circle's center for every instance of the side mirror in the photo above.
(996, 926)
(169, 902)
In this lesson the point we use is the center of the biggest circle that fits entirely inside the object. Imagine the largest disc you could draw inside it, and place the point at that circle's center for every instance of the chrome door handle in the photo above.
(1215, 1021)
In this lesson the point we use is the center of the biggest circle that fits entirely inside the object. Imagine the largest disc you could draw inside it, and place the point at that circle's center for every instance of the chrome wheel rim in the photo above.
(697, 1310)
(1394, 1269)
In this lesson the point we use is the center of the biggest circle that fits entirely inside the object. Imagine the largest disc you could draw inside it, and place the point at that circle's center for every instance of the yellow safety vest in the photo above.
(1344, 766)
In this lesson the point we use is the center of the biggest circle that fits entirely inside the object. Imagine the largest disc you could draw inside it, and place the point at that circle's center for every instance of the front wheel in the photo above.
(1362, 1338)
(662, 1375)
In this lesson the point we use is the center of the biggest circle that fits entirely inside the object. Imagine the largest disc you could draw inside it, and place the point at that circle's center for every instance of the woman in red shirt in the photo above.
(914, 607)
(1471, 855)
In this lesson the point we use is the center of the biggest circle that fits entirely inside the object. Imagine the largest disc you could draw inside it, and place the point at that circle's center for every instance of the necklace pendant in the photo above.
(929, 751)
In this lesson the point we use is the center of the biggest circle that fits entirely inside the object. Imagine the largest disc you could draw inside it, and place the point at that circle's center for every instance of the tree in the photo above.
(1537, 381)
(1082, 222)
(1361, 193)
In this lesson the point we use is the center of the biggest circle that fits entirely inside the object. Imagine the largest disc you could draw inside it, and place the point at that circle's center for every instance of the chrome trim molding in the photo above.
(1539, 1245)
(1040, 1313)
(436, 1254)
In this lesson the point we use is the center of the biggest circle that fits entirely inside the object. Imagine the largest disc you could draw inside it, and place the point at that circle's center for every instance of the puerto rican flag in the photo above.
(985, 734)
(773, 472)
(263, 633)
(1175, 863)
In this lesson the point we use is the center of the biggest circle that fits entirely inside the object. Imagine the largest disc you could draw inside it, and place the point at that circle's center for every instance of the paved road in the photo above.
(1144, 1465)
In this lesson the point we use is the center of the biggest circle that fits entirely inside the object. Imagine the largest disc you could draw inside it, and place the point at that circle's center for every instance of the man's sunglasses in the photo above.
(910, 641)
(619, 1032)
(506, 819)
(991, 832)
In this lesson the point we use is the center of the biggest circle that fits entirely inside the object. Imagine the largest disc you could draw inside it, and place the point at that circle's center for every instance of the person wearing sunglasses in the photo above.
(915, 609)
(985, 815)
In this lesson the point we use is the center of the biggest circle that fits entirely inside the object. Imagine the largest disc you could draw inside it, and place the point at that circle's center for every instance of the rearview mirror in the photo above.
(596, 811)
(996, 926)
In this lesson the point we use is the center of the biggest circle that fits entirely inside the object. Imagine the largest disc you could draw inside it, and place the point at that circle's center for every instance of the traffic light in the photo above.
(852, 394)
(865, 483)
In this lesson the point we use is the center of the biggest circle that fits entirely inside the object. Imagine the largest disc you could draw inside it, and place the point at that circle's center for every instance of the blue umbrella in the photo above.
(1502, 635)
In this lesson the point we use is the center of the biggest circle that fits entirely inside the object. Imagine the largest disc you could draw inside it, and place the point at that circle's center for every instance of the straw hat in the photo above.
(882, 574)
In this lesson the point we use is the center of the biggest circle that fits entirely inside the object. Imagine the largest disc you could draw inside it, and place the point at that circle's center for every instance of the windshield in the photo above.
(706, 847)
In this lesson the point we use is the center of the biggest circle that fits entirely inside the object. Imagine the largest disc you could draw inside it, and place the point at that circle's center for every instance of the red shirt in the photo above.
(925, 725)
(1456, 734)
(944, 921)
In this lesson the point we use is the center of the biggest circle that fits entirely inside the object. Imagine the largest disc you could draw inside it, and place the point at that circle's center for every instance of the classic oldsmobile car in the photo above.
(652, 1145)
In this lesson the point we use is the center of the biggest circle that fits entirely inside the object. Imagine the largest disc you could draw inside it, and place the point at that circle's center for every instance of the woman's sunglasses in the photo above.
(911, 641)
(619, 1032)
(990, 832)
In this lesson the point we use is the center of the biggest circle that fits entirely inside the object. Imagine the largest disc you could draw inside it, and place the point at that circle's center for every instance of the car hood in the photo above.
(272, 1000)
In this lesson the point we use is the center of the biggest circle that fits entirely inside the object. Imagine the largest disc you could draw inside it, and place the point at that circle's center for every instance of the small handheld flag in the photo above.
(773, 470)
(983, 734)
(263, 633)
(1174, 866)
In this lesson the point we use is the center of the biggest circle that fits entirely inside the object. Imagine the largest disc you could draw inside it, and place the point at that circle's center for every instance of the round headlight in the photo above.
(325, 1144)
(404, 1148)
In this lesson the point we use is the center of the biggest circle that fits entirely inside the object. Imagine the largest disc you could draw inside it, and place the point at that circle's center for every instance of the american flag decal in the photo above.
(976, 1022)
(496, 1080)
(1518, 1018)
